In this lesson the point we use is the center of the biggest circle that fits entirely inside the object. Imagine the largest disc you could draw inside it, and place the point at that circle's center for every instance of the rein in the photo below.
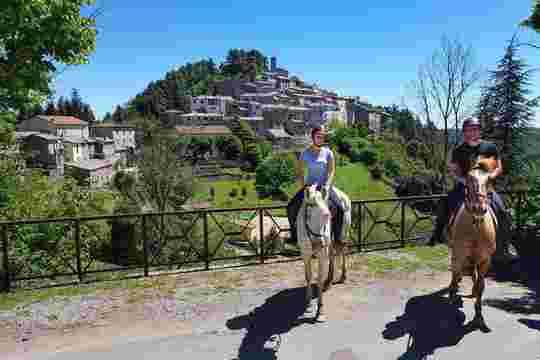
(308, 229)
(474, 201)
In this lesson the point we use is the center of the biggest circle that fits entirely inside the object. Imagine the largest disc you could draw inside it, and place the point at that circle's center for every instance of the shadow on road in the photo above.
(278, 315)
(530, 323)
(526, 273)
(431, 322)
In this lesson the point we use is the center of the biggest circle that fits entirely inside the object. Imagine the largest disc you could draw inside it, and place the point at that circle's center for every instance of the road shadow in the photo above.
(530, 323)
(266, 323)
(524, 273)
(432, 322)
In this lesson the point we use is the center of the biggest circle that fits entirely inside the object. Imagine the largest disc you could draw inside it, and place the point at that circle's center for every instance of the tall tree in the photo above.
(50, 109)
(443, 85)
(533, 21)
(75, 104)
(507, 111)
(36, 36)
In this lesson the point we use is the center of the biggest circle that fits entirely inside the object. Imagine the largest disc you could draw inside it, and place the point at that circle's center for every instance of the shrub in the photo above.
(362, 131)
(355, 156)
(341, 160)
(345, 147)
(233, 193)
(391, 168)
(368, 156)
(361, 143)
(274, 173)
(244, 191)
(376, 171)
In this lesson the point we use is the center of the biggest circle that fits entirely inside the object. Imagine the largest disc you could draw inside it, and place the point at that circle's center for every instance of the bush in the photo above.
(391, 168)
(341, 160)
(230, 146)
(362, 131)
(361, 143)
(274, 173)
(233, 193)
(355, 155)
(376, 171)
(244, 191)
(368, 156)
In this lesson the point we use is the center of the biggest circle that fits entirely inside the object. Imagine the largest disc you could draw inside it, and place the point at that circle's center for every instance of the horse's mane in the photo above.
(484, 164)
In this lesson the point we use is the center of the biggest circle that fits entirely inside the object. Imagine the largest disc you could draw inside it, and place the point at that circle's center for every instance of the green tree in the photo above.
(164, 182)
(274, 174)
(507, 111)
(36, 36)
(533, 21)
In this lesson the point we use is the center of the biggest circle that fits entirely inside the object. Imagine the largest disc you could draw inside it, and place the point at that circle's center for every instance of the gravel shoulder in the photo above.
(201, 303)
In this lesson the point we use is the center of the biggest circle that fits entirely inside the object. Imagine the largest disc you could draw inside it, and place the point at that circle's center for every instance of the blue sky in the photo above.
(370, 49)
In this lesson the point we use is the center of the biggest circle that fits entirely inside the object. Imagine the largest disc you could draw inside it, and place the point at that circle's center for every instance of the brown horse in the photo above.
(472, 238)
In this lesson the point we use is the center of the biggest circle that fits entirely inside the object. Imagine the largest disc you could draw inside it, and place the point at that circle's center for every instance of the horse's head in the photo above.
(476, 188)
(317, 205)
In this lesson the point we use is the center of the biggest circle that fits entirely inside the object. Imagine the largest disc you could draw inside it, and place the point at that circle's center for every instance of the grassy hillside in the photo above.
(353, 179)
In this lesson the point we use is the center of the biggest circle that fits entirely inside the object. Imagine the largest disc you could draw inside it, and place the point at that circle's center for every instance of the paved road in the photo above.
(369, 331)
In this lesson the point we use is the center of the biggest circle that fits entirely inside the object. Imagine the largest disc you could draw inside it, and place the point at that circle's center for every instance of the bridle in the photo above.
(475, 201)
(309, 231)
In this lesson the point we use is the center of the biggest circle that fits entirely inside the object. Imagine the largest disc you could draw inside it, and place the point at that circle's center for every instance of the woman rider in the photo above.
(320, 164)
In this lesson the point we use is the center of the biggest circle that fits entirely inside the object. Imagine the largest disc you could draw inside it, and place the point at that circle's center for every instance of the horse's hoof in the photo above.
(341, 280)
(327, 286)
(480, 324)
(321, 318)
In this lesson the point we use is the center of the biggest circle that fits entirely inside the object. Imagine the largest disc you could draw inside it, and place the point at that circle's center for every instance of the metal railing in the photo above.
(47, 252)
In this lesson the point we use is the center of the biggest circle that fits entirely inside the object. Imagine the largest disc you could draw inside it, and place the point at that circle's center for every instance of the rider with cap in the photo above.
(462, 156)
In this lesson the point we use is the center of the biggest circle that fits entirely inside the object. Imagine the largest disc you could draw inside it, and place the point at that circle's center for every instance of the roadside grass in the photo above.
(408, 259)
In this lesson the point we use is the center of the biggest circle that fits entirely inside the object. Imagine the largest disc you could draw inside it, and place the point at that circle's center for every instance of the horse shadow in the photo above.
(530, 323)
(432, 322)
(266, 323)
(524, 273)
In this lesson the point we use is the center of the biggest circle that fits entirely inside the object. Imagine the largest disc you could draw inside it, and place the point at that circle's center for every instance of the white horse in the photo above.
(314, 238)
(339, 246)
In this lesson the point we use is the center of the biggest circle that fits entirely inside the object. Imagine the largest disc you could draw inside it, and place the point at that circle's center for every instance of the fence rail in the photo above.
(47, 252)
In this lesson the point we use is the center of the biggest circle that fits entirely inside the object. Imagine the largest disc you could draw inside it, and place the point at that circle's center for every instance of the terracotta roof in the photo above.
(91, 164)
(63, 120)
(203, 130)
(113, 125)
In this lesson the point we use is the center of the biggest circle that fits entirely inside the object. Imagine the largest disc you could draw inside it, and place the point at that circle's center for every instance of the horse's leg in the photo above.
(323, 275)
(454, 286)
(343, 264)
(331, 266)
(307, 269)
(474, 291)
(480, 284)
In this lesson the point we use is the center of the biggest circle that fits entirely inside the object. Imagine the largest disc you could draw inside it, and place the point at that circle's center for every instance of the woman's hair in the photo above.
(315, 130)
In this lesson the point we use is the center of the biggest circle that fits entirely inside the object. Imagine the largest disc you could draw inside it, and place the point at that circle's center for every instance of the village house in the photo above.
(62, 126)
(201, 131)
(43, 151)
(361, 113)
(122, 135)
(210, 104)
(94, 173)
(61, 142)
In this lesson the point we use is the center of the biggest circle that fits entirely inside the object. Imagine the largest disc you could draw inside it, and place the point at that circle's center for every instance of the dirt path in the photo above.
(191, 304)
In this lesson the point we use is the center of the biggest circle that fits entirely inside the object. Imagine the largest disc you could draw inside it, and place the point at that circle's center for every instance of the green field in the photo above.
(353, 179)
